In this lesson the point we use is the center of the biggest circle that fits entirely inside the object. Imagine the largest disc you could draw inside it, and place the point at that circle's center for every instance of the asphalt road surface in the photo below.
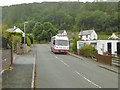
(65, 71)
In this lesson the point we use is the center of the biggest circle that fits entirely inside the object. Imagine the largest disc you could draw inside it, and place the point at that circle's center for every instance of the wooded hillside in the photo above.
(72, 16)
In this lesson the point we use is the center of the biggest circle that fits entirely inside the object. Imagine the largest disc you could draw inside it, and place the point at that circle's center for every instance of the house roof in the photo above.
(15, 29)
(114, 36)
(86, 32)
(61, 31)
(118, 36)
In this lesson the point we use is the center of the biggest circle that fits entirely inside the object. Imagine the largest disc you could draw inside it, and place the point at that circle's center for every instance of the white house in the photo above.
(111, 46)
(16, 29)
(62, 32)
(103, 46)
(87, 35)
(114, 36)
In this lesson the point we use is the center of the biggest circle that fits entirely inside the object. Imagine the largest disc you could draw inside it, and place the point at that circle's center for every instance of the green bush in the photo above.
(31, 37)
(74, 45)
(43, 42)
(15, 40)
(88, 51)
(28, 42)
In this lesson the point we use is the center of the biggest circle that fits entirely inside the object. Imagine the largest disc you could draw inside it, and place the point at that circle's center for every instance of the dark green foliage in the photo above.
(88, 51)
(74, 45)
(16, 39)
(31, 37)
(29, 26)
(44, 31)
(28, 41)
(73, 16)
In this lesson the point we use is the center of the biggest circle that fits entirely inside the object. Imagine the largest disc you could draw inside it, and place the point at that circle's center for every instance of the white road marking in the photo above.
(88, 80)
(65, 63)
(56, 57)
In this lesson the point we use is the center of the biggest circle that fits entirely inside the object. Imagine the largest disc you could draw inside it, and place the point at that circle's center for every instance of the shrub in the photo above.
(28, 42)
(31, 37)
(43, 42)
(74, 45)
(15, 40)
(88, 51)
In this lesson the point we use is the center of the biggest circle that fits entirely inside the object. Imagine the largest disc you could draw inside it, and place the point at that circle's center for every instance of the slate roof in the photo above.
(61, 31)
(12, 29)
(15, 29)
(114, 36)
(86, 32)
(118, 36)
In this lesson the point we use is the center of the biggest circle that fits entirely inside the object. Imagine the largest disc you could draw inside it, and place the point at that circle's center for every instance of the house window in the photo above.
(86, 36)
(94, 37)
(102, 48)
(54, 42)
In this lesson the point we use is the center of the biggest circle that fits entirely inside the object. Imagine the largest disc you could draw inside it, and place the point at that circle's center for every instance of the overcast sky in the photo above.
(11, 2)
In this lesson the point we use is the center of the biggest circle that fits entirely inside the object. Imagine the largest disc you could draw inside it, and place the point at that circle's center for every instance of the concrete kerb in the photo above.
(102, 66)
(80, 57)
(34, 72)
(109, 69)
(2, 72)
(75, 56)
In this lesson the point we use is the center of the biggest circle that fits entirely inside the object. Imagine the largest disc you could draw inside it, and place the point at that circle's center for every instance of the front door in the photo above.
(118, 48)
(109, 47)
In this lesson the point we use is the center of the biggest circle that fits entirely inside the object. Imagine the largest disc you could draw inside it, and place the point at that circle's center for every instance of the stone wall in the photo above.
(19, 48)
(22, 48)
(7, 58)
(26, 48)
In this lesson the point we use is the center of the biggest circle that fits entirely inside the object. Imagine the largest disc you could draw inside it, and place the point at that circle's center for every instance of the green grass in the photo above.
(103, 36)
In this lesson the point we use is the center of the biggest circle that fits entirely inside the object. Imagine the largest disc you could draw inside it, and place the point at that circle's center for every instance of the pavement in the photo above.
(20, 74)
(111, 68)
(0, 69)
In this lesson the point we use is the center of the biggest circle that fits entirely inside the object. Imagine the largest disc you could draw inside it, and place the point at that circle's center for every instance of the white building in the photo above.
(114, 37)
(16, 29)
(87, 35)
(111, 46)
(103, 46)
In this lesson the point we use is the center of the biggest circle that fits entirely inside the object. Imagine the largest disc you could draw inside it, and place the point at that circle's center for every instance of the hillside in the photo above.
(72, 16)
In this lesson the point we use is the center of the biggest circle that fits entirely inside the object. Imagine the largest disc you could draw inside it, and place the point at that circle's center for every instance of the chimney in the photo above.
(14, 27)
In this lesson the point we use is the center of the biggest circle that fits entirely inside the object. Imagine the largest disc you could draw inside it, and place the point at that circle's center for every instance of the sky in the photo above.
(13, 2)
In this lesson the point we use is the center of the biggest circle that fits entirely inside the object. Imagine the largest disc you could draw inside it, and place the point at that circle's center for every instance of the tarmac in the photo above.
(111, 68)
(20, 73)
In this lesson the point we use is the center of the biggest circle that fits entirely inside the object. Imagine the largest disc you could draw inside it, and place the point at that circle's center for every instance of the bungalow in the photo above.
(15, 29)
(87, 35)
(102, 46)
(62, 32)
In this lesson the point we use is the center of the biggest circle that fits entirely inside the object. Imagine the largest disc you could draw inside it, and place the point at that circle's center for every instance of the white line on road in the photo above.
(64, 63)
(88, 80)
(56, 57)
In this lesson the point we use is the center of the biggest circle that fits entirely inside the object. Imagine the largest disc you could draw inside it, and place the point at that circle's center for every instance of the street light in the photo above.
(24, 31)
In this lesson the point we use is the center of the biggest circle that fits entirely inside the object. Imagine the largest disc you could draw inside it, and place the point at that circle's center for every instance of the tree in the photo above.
(30, 25)
(43, 31)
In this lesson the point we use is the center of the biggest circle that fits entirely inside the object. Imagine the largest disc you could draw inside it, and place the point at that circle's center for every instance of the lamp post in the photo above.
(24, 31)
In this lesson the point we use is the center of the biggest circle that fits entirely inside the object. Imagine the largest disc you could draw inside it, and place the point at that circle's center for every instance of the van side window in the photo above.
(54, 42)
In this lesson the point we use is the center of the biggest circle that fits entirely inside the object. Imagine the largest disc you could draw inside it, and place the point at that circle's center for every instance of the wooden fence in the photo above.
(105, 59)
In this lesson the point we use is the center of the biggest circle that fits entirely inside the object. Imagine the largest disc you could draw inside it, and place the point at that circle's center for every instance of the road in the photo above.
(65, 71)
